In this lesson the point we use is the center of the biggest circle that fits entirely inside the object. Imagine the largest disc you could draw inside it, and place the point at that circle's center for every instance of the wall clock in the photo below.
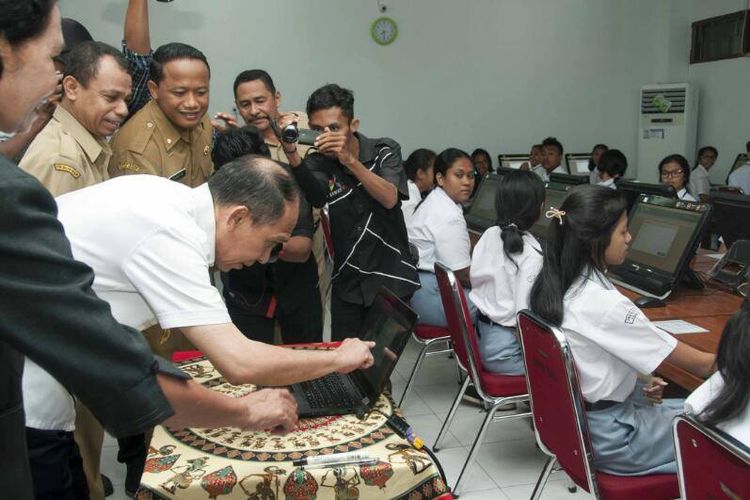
(384, 30)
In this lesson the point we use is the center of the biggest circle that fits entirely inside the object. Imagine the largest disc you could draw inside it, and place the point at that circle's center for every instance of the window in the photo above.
(722, 37)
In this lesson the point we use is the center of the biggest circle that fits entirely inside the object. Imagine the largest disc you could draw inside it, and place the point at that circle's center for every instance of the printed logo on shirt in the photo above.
(335, 188)
(61, 167)
(631, 315)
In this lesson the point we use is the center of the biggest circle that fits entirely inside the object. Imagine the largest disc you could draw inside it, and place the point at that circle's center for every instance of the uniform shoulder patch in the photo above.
(129, 166)
(62, 167)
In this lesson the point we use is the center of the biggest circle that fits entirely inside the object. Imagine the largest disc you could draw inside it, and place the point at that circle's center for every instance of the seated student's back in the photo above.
(418, 167)
(612, 166)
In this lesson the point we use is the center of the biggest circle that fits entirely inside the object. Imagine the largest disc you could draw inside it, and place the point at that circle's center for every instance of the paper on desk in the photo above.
(678, 327)
(715, 256)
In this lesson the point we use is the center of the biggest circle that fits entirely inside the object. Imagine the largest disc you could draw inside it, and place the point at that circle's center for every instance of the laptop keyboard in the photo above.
(327, 392)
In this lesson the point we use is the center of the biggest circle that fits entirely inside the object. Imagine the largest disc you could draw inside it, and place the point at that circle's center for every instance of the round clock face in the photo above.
(384, 30)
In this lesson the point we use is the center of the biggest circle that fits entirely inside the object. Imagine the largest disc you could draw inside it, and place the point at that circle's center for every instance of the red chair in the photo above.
(495, 390)
(710, 463)
(560, 421)
(427, 336)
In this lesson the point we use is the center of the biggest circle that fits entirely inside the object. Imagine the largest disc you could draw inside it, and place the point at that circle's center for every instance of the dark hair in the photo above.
(74, 33)
(419, 159)
(703, 151)
(251, 75)
(82, 62)
(682, 162)
(237, 142)
(258, 183)
(603, 147)
(23, 20)
(537, 146)
(747, 147)
(518, 201)
(331, 96)
(553, 142)
(576, 247)
(171, 52)
(733, 362)
(613, 162)
(479, 152)
(445, 159)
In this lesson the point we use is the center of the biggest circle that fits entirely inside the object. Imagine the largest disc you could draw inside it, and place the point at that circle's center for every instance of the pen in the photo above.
(334, 458)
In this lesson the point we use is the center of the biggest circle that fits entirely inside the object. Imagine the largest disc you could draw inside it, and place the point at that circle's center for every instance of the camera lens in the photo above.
(290, 134)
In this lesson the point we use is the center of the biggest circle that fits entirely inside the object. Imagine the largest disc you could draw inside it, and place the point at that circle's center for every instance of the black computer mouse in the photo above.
(645, 302)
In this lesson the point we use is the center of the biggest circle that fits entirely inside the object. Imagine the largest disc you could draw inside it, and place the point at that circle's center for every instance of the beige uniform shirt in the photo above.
(64, 156)
(149, 144)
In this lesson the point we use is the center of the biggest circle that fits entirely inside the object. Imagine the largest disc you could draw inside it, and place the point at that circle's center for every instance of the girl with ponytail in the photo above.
(506, 260)
(611, 340)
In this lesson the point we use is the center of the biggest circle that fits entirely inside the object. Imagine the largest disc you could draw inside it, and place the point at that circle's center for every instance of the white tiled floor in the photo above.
(508, 462)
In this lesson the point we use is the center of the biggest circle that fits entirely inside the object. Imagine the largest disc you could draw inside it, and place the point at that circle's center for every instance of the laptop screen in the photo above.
(552, 198)
(482, 212)
(662, 236)
(389, 323)
(578, 164)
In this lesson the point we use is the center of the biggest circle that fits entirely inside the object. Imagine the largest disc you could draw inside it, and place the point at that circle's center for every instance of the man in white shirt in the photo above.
(741, 177)
(552, 152)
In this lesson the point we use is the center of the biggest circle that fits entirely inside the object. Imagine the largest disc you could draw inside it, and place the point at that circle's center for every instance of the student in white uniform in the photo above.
(700, 185)
(418, 167)
(611, 167)
(596, 157)
(741, 177)
(552, 152)
(536, 158)
(505, 263)
(611, 340)
(675, 171)
(722, 401)
(439, 232)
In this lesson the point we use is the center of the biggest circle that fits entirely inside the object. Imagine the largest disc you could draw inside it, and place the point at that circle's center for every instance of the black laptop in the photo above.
(389, 323)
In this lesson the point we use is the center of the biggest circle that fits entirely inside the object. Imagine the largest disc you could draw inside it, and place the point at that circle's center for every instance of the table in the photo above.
(228, 463)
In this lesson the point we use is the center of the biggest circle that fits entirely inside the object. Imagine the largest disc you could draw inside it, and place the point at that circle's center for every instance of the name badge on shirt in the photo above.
(61, 167)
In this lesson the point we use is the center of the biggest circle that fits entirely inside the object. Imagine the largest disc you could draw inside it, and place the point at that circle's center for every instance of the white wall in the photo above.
(494, 73)
(725, 94)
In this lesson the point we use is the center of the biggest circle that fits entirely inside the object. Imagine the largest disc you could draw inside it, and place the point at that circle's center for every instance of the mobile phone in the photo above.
(178, 175)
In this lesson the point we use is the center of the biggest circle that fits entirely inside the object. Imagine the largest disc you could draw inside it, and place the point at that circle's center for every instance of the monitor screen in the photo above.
(662, 235)
(633, 189)
(731, 212)
(512, 161)
(552, 198)
(578, 164)
(482, 212)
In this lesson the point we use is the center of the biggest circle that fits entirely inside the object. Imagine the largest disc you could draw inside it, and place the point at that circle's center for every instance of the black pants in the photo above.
(56, 466)
(346, 318)
(301, 325)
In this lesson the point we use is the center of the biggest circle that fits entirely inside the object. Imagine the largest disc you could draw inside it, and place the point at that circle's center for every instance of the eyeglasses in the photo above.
(275, 253)
(668, 174)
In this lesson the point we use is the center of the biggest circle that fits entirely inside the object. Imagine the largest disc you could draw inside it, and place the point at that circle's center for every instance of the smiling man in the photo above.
(172, 132)
(71, 152)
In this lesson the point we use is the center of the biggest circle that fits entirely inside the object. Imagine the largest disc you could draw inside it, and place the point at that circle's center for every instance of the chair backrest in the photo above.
(326, 225)
(555, 397)
(710, 464)
(460, 325)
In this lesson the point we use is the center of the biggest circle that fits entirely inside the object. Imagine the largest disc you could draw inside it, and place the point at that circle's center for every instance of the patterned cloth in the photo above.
(207, 463)
(140, 66)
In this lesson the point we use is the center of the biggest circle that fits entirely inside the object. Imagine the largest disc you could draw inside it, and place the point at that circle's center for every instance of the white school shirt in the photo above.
(150, 242)
(610, 338)
(699, 182)
(738, 427)
(408, 206)
(684, 195)
(498, 288)
(609, 183)
(544, 175)
(741, 178)
(594, 176)
(438, 230)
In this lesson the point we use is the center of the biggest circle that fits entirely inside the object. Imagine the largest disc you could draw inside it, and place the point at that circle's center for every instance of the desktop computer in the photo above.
(666, 233)
(633, 189)
(578, 163)
(569, 179)
(513, 161)
(554, 195)
(731, 216)
(481, 215)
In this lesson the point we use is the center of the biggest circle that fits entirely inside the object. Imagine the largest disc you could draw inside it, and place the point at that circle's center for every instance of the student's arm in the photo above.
(688, 358)
(241, 360)
(314, 186)
(297, 249)
(136, 29)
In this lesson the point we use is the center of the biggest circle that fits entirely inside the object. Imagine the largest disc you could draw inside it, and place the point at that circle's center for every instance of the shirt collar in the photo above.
(92, 146)
(367, 150)
(446, 200)
(172, 135)
(205, 218)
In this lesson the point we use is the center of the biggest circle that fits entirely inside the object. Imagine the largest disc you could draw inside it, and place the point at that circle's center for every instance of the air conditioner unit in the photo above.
(668, 124)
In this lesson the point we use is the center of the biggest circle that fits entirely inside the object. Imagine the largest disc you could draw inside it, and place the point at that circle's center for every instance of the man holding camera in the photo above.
(362, 180)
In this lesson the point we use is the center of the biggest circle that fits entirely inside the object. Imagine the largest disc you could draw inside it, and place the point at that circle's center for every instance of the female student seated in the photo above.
(596, 157)
(611, 340)
(612, 166)
(418, 167)
(722, 401)
(505, 262)
(675, 171)
(439, 232)
(700, 185)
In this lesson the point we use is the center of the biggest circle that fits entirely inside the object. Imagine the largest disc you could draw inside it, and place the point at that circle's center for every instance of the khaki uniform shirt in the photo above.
(149, 144)
(64, 156)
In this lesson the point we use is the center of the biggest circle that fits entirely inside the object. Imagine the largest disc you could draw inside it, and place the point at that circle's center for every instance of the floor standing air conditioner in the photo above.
(668, 124)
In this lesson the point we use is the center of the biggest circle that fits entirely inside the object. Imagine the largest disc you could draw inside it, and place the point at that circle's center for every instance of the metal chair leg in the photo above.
(459, 372)
(477, 443)
(546, 471)
(452, 413)
(413, 374)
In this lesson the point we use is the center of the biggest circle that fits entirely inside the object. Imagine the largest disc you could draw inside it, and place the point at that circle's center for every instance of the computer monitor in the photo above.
(572, 180)
(632, 189)
(481, 215)
(513, 161)
(553, 197)
(578, 163)
(731, 216)
(666, 233)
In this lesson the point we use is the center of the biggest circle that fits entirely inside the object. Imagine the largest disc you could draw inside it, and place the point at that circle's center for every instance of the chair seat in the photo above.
(653, 487)
(498, 385)
(429, 332)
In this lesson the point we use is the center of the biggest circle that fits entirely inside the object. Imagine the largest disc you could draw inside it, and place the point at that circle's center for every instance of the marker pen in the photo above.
(352, 457)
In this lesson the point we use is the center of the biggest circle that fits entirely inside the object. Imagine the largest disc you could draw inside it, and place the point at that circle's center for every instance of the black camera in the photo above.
(292, 134)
